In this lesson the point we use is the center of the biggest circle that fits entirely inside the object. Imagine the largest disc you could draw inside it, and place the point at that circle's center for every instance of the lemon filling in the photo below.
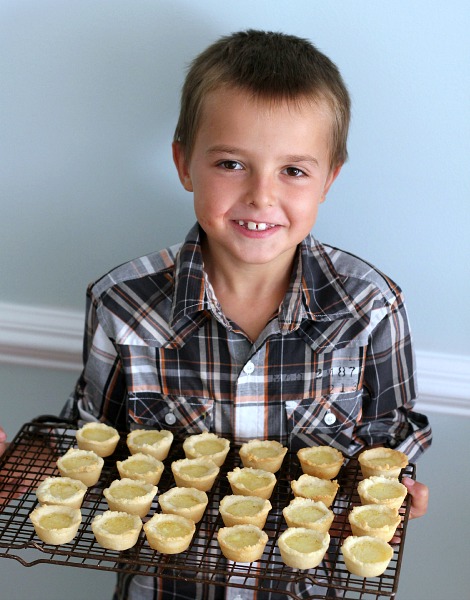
(56, 521)
(243, 508)
(373, 519)
(79, 462)
(194, 470)
(97, 435)
(303, 543)
(252, 482)
(127, 492)
(183, 501)
(264, 452)
(118, 525)
(208, 447)
(240, 540)
(369, 553)
(171, 529)
(320, 457)
(62, 490)
(306, 514)
(382, 492)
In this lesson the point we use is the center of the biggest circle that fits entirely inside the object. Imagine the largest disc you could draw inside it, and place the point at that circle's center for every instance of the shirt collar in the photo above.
(316, 289)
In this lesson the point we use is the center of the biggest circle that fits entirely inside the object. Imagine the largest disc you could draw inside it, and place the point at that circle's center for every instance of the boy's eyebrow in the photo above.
(290, 158)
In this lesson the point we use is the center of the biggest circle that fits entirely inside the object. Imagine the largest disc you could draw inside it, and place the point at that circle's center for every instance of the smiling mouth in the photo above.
(252, 226)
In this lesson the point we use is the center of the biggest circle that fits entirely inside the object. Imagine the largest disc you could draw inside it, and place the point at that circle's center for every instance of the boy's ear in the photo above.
(182, 166)
(330, 179)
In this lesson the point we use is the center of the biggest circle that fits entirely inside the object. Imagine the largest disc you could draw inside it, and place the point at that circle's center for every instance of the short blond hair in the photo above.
(270, 66)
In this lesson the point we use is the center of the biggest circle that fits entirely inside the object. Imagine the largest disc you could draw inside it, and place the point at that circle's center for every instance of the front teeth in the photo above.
(252, 226)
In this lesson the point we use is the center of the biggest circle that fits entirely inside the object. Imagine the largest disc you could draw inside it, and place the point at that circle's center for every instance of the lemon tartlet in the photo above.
(263, 454)
(244, 510)
(376, 520)
(321, 461)
(251, 482)
(98, 437)
(199, 473)
(242, 543)
(315, 488)
(207, 445)
(184, 501)
(382, 490)
(303, 548)
(143, 467)
(116, 530)
(155, 442)
(61, 490)
(384, 462)
(84, 465)
(131, 496)
(307, 513)
(56, 524)
(169, 534)
(366, 556)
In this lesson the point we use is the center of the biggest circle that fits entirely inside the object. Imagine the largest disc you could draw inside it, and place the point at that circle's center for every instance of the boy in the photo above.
(251, 328)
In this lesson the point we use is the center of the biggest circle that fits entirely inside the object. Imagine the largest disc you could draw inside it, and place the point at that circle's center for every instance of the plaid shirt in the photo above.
(334, 366)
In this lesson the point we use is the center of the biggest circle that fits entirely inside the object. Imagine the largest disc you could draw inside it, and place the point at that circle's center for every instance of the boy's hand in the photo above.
(419, 497)
(3, 441)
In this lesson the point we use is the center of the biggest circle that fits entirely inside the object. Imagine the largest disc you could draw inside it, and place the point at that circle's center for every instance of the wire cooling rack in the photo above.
(32, 457)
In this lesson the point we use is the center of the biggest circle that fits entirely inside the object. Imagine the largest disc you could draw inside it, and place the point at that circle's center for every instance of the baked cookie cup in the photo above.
(199, 473)
(308, 513)
(155, 442)
(56, 524)
(251, 482)
(116, 530)
(142, 467)
(382, 490)
(303, 548)
(320, 461)
(315, 488)
(242, 543)
(267, 455)
(169, 534)
(131, 496)
(84, 465)
(382, 462)
(207, 445)
(366, 556)
(61, 490)
(376, 520)
(244, 510)
(184, 501)
(98, 437)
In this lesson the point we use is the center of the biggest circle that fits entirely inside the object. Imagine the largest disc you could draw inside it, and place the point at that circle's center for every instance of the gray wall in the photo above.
(89, 92)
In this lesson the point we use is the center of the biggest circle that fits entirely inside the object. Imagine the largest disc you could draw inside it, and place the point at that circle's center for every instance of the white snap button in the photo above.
(170, 418)
(330, 418)
(249, 368)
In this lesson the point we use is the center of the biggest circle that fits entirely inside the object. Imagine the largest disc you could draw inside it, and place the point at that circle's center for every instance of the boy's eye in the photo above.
(230, 165)
(294, 172)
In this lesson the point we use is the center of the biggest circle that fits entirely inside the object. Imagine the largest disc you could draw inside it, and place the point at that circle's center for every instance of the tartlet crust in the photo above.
(207, 445)
(84, 465)
(366, 556)
(98, 437)
(308, 513)
(238, 480)
(203, 481)
(169, 534)
(128, 468)
(303, 548)
(267, 455)
(169, 503)
(376, 520)
(242, 543)
(321, 461)
(116, 530)
(384, 462)
(155, 442)
(382, 490)
(315, 488)
(61, 490)
(138, 504)
(56, 524)
(252, 510)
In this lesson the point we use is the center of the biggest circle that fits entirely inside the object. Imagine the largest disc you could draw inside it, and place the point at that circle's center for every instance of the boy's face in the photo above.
(258, 172)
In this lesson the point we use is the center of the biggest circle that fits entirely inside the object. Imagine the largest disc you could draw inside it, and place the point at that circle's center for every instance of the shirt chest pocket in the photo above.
(178, 414)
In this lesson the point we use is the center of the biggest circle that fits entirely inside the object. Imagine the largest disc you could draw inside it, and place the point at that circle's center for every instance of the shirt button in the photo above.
(330, 418)
(170, 418)
(249, 368)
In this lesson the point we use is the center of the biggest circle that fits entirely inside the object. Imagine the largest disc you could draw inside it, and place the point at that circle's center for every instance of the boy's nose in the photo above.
(261, 191)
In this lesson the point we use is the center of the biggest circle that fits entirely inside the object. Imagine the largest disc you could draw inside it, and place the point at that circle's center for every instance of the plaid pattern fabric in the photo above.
(334, 366)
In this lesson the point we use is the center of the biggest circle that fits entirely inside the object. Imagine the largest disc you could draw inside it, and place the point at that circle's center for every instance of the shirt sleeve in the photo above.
(100, 393)
(390, 390)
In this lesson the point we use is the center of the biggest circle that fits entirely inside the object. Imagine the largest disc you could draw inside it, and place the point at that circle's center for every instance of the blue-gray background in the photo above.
(89, 95)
